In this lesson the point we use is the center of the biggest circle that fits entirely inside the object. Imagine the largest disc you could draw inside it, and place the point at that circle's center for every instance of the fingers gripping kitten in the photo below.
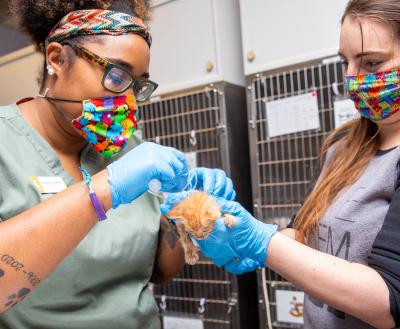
(196, 215)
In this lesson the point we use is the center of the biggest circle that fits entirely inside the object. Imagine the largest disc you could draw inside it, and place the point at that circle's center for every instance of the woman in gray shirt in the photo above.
(344, 250)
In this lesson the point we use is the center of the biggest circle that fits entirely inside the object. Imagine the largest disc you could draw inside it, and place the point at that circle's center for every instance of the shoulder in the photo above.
(10, 125)
(9, 111)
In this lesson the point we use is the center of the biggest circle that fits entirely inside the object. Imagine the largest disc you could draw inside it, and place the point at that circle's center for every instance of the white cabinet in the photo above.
(278, 33)
(195, 42)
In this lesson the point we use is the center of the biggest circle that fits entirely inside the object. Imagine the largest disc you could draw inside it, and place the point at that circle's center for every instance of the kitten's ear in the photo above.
(172, 216)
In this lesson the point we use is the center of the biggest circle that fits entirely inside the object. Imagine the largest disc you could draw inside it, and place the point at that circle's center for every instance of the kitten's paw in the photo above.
(191, 258)
(191, 254)
(229, 220)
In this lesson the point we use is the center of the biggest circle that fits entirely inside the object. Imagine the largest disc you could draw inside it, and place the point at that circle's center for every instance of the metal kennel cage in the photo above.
(283, 167)
(209, 125)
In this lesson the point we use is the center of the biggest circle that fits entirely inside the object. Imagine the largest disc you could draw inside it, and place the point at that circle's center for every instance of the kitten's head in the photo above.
(197, 213)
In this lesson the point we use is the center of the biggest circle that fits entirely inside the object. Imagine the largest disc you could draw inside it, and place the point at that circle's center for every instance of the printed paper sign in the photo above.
(171, 322)
(344, 111)
(292, 115)
(289, 306)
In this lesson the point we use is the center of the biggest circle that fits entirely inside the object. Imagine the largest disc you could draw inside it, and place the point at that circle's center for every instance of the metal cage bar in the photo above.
(283, 168)
(196, 121)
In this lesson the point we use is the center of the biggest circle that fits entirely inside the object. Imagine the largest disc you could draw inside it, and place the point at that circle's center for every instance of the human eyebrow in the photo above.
(121, 63)
(126, 66)
(370, 53)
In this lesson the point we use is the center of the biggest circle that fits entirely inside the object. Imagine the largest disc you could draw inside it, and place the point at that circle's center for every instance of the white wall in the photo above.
(18, 73)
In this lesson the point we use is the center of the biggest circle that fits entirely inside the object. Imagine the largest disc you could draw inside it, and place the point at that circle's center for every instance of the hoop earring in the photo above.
(50, 70)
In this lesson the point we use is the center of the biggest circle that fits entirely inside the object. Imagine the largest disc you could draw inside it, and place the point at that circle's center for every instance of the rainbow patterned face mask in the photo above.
(107, 123)
(376, 96)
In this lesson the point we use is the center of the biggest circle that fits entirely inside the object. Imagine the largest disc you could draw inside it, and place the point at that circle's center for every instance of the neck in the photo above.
(389, 134)
(53, 127)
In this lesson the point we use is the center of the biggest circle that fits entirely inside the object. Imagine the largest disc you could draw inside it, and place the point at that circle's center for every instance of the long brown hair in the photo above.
(355, 142)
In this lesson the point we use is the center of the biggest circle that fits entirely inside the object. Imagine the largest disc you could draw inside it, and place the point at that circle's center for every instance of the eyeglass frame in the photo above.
(108, 66)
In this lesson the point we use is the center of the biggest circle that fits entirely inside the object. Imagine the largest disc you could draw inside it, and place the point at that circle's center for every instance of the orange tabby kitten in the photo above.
(196, 215)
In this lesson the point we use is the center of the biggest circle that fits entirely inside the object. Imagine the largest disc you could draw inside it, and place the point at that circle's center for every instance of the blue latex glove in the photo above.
(213, 181)
(130, 175)
(249, 238)
(240, 266)
(217, 247)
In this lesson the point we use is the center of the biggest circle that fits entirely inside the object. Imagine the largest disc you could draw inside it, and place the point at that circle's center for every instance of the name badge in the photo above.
(48, 185)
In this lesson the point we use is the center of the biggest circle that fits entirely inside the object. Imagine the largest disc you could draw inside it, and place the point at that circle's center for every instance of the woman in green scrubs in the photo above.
(80, 239)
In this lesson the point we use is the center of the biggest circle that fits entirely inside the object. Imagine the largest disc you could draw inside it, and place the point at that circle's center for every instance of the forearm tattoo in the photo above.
(15, 297)
(17, 266)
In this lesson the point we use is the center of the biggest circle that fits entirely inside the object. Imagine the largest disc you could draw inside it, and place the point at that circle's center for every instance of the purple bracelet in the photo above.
(101, 214)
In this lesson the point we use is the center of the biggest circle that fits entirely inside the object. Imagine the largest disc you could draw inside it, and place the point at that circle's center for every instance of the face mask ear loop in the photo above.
(45, 93)
(192, 182)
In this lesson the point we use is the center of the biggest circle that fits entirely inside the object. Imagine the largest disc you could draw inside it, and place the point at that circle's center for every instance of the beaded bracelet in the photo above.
(101, 214)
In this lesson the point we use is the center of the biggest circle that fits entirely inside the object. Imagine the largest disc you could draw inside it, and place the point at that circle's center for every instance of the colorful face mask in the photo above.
(376, 96)
(107, 123)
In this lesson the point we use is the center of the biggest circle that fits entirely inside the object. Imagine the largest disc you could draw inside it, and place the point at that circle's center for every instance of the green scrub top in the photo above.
(103, 283)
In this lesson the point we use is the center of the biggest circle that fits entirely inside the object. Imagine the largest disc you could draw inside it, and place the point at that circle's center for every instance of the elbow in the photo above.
(162, 277)
(380, 326)
(386, 324)
(382, 322)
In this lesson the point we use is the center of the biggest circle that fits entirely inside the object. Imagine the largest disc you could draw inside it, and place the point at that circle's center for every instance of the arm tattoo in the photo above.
(19, 267)
(17, 297)
(168, 233)
(168, 244)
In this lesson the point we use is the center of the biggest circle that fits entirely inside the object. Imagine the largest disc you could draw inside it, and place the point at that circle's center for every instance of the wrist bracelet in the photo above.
(87, 180)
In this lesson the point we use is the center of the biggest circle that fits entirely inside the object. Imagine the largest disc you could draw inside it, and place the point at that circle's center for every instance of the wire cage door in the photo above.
(284, 167)
(194, 122)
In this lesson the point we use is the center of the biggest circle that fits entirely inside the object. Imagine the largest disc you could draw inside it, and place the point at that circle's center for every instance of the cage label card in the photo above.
(344, 111)
(289, 306)
(175, 322)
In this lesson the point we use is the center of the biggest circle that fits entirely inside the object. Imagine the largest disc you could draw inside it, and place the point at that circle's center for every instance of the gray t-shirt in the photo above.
(349, 229)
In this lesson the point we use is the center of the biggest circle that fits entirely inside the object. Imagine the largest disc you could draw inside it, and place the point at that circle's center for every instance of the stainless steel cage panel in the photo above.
(283, 167)
(210, 121)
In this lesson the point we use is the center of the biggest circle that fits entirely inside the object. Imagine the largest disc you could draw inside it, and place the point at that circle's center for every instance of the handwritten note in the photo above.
(344, 111)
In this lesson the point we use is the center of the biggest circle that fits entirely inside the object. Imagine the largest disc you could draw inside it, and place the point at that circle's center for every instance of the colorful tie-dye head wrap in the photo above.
(96, 22)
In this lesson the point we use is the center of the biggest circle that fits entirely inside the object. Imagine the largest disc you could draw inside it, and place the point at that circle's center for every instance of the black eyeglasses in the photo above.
(116, 79)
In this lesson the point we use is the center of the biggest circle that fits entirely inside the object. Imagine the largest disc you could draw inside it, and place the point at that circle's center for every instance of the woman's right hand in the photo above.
(130, 175)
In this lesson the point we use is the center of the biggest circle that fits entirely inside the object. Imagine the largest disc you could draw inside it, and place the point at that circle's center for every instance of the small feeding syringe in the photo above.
(154, 187)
